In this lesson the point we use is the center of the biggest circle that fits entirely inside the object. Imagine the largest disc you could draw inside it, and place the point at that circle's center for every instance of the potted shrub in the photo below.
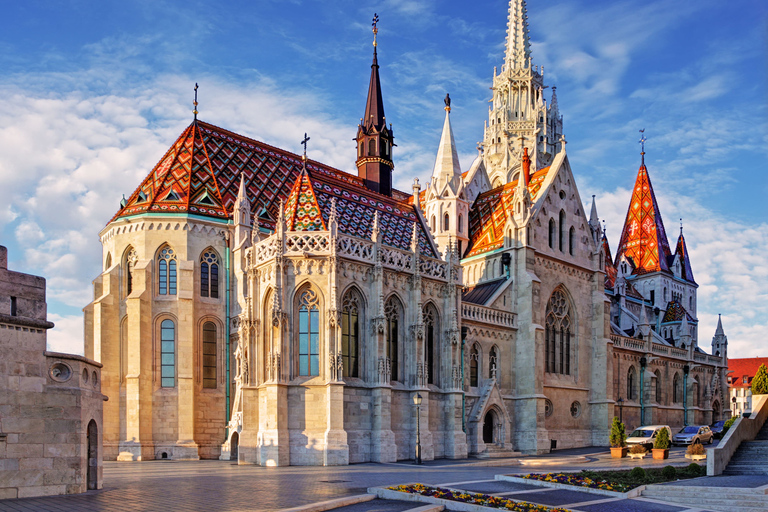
(618, 439)
(661, 445)
(637, 451)
(696, 452)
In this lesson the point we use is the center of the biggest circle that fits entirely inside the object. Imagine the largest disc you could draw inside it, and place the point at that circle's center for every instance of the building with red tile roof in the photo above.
(740, 374)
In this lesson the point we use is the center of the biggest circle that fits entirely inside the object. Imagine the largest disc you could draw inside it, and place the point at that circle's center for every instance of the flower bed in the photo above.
(484, 500)
(579, 481)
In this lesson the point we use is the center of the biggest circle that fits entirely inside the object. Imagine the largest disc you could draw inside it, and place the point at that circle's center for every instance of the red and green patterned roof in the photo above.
(675, 312)
(610, 269)
(490, 211)
(200, 174)
(302, 213)
(643, 238)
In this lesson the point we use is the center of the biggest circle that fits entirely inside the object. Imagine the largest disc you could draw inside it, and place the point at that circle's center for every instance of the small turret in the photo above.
(720, 340)
(242, 214)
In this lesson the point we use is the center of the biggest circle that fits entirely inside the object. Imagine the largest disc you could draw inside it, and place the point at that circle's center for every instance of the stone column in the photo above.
(455, 438)
(336, 451)
(186, 448)
(383, 448)
(273, 441)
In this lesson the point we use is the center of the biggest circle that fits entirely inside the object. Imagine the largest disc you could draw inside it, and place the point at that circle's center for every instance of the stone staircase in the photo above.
(710, 498)
(494, 451)
(751, 457)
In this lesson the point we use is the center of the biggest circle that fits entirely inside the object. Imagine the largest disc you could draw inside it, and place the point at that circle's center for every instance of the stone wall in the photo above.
(51, 404)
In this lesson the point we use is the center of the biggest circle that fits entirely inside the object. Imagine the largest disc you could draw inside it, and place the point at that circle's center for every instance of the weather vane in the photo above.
(304, 143)
(195, 102)
(642, 141)
(375, 27)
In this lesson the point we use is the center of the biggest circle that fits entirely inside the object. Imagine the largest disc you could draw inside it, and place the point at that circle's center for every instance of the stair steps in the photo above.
(715, 498)
(751, 457)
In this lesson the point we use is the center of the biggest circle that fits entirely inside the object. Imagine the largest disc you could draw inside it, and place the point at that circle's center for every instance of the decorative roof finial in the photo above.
(681, 226)
(304, 143)
(642, 145)
(447, 101)
(195, 102)
(375, 30)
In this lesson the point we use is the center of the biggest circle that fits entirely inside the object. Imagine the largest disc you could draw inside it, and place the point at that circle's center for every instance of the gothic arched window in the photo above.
(571, 240)
(562, 231)
(393, 310)
(676, 389)
(461, 227)
(351, 307)
(372, 147)
(432, 357)
(474, 355)
(557, 334)
(209, 274)
(108, 262)
(631, 384)
(166, 271)
(130, 263)
(552, 230)
(493, 362)
(446, 222)
(433, 224)
(209, 355)
(309, 333)
(167, 354)
(658, 386)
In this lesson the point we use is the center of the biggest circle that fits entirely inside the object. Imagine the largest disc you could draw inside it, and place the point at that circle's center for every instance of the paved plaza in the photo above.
(204, 486)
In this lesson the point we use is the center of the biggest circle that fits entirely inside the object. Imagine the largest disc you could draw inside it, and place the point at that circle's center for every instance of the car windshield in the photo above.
(690, 430)
(719, 424)
(642, 433)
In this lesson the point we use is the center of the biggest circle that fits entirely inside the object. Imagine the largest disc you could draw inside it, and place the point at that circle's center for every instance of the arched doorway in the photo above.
(92, 471)
(233, 442)
(489, 424)
(715, 411)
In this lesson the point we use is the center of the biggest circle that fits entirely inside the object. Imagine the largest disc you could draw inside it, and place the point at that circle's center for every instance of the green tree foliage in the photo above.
(760, 381)
(728, 424)
(618, 434)
(662, 440)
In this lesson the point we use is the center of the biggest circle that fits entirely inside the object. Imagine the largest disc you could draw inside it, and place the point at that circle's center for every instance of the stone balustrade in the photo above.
(475, 313)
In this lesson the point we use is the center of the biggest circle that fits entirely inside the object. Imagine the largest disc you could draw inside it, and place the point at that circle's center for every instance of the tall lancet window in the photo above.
(562, 231)
(393, 311)
(166, 271)
(309, 333)
(474, 356)
(632, 383)
(431, 347)
(167, 354)
(493, 362)
(209, 355)
(552, 233)
(209, 275)
(350, 333)
(557, 335)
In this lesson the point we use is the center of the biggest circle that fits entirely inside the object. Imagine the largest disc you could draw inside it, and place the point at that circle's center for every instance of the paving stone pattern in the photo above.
(630, 506)
(378, 506)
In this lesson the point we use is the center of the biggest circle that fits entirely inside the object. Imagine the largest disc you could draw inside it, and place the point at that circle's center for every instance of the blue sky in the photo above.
(94, 93)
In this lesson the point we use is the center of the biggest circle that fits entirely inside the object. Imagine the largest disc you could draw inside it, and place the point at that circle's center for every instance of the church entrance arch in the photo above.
(715, 411)
(489, 427)
(233, 442)
(92, 471)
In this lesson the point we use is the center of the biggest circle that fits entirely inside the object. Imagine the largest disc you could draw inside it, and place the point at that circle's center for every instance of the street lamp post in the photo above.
(417, 402)
(734, 406)
(621, 409)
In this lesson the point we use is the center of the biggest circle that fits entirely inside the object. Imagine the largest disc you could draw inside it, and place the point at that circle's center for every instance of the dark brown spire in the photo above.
(374, 139)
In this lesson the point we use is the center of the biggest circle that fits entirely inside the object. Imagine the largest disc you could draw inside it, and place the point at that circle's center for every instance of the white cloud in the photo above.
(67, 335)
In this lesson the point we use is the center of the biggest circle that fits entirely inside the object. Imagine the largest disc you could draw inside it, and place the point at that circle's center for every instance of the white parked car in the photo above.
(647, 435)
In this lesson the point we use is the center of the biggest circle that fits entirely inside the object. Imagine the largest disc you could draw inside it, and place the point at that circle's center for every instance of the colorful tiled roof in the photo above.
(610, 270)
(207, 161)
(302, 212)
(489, 214)
(675, 312)
(643, 238)
(682, 251)
(745, 367)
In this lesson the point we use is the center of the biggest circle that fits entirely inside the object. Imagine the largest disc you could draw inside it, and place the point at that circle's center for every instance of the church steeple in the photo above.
(518, 53)
(447, 170)
(374, 139)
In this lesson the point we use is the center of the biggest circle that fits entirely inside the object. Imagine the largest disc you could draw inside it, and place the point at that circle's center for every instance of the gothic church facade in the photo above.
(261, 306)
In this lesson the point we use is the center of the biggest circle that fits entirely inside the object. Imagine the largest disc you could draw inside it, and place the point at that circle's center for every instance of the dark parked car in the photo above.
(717, 429)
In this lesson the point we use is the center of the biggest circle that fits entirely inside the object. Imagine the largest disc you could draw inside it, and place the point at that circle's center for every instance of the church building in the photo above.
(260, 306)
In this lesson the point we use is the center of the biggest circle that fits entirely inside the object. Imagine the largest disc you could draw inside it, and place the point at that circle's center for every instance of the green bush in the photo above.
(637, 474)
(637, 448)
(694, 469)
(728, 424)
(618, 434)
(760, 381)
(662, 440)
(669, 472)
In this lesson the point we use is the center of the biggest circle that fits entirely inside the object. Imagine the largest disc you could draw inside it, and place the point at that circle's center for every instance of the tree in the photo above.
(760, 381)
(662, 440)
(618, 434)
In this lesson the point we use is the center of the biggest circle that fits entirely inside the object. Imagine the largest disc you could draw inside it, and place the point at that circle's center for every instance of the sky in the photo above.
(94, 93)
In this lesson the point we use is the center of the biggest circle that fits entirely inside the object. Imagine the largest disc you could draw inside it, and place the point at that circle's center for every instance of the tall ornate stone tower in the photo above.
(374, 139)
(519, 115)
(446, 206)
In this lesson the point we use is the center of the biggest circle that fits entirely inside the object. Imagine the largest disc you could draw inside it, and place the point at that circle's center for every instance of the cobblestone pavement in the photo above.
(224, 486)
